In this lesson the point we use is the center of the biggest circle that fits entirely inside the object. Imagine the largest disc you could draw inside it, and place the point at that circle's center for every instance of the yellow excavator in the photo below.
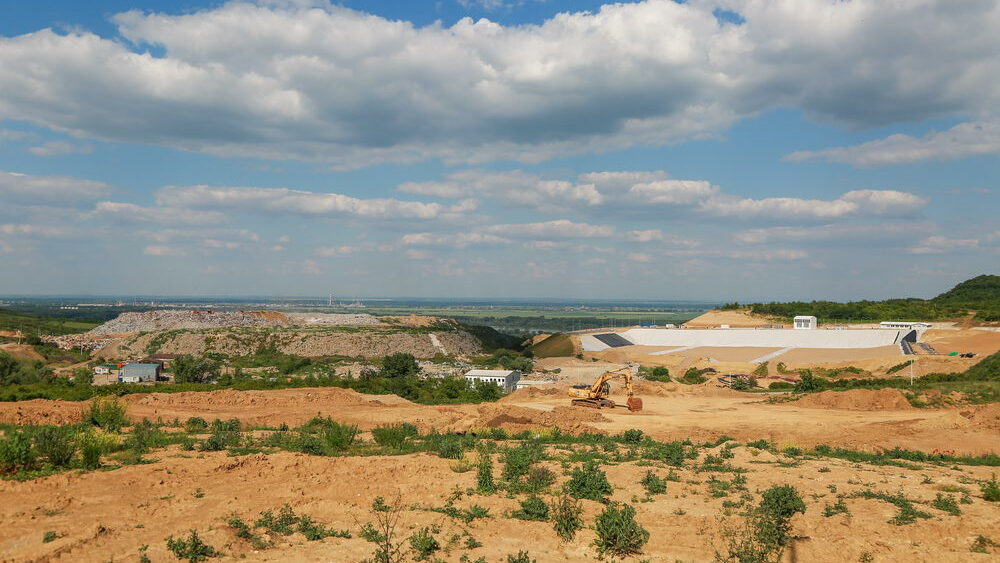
(596, 395)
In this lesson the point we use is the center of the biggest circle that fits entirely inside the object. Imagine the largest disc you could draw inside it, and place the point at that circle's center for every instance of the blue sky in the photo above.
(717, 149)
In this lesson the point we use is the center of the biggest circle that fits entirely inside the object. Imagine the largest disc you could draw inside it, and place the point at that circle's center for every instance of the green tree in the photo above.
(399, 366)
(195, 369)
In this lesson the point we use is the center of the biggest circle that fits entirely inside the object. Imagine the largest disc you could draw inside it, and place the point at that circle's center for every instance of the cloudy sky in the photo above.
(712, 149)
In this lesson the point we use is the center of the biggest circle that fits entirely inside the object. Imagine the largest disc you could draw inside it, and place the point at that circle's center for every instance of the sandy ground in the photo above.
(109, 515)
(735, 319)
(978, 341)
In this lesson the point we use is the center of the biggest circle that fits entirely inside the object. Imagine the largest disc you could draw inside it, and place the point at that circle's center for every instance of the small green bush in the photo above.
(991, 489)
(518, 460)
(566, 519)
(532, 508)
(618, 533)
(16, 453)
(192, 548)
(539, 479)
(394, 436)
(55, 444)
(281, 524)
(424, 544)
(485, 483)
(107, 413)
(632, 436)
(49, 536)
(521, 557)
(653, 484)
(839, 507)
(946, 503)
(589, 482)
(196, 424)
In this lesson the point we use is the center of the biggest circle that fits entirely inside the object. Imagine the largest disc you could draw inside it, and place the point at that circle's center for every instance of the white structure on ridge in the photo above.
(505, 378)
(803, 322)
(903, 325)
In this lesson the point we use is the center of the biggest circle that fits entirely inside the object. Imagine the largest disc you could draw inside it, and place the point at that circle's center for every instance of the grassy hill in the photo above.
(980, 294)
(35, 325)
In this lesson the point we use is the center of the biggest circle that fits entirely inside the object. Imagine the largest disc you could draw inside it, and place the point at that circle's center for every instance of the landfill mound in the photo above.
(857, 400)
(172, 320)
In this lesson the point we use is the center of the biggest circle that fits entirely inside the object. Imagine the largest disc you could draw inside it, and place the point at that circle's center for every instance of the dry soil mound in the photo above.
(572, 420)
(985, 417)
(41, 411)
(22, 351)
(857, 400)
(323, 397)
(529, 393)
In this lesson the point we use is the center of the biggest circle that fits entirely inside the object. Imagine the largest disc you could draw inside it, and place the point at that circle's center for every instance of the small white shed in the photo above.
(803, 322)
(505, 378)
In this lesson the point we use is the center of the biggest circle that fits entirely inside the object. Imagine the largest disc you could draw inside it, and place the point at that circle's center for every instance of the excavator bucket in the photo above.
(634, 404)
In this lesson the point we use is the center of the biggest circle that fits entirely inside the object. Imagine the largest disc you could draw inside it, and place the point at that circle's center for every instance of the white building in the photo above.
(903, 325)
(803, 322)
(506, 379)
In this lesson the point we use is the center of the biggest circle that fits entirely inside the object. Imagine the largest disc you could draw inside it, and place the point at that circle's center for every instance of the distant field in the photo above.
(30, 324)
(525, 319)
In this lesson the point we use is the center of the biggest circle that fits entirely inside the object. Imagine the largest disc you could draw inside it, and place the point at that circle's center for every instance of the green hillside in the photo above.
(980, 295)
(35, 325)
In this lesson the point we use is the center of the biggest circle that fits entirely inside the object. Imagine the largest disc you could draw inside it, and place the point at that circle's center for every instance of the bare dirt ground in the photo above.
(22, 351)
(735, 319)
(109, 515)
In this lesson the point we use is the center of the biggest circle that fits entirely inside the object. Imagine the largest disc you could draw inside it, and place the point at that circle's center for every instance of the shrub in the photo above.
(192, 548)
(281, 524)
(196, 424)
(982, 544)
(16, 453)
(692, 377)
(632, 436)
(143, 437)
(49, 536)
(532, 508)
(539, 479)
(424, 544)
(839, 507)
(485, 484)
(394, 436)
(653, 484)
(521, 557)
(244, 531)
(383, 532)
(339, 437)
(56, 445)
(659, 373)
(760, 371)
(107, 413)
(90, 451)
(220, 440)
(618, 533)
(764, 533)
(947, 504)
(517, 461)
(671, 453)
(566, 519)
(991, 489)
(809, 383)
(588, 482)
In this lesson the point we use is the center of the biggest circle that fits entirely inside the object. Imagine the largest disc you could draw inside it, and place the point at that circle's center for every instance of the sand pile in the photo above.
(531, 393)
(985, 417)
(857, 400)
(572, 420)
(42, 411)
